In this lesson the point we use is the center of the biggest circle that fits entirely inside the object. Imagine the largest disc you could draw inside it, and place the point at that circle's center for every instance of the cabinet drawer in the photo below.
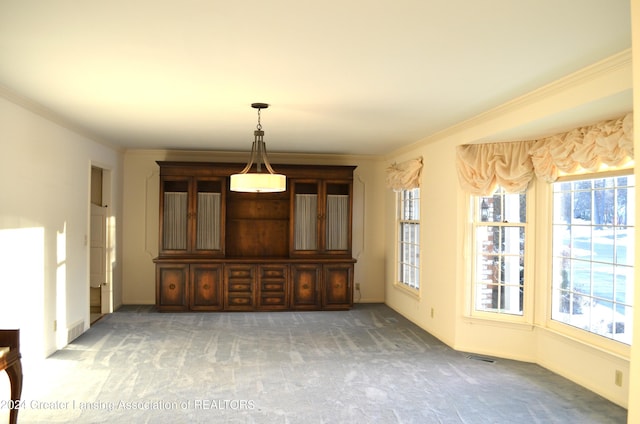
(273, 286)
(239, 286)
(275, 299)
(277, 271)
(239, 272)
(235, 299)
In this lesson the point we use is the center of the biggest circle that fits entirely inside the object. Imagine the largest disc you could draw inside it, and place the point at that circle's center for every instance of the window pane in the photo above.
(624, 284)
(562, 208)
(623, 324)
(485, 237)
(603, 238)
(623, 250)
(486, 297)
(580, 277)
(603, 281)
(512, 270)
(513, 299)
(582, 205)
(580, 243)
(562, 240)
(502, 207)
(602, 318)
(511, 240)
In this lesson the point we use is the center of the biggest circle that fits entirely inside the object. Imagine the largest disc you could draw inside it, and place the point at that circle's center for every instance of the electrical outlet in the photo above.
(618, 378)
(358, 286)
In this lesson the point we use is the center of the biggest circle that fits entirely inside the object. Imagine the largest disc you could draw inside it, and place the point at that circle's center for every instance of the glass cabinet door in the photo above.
(175, 216)
(337, 216)
(192, 216)
(208, 215)
(321, 217)
(305, 205)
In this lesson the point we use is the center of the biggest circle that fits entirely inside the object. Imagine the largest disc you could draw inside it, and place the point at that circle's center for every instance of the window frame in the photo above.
(413, 286)
(474, 221)
(562, 327)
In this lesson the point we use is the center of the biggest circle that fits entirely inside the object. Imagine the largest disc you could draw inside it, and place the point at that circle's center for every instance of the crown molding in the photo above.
(242, 156)
(51, 116)
(603, 68)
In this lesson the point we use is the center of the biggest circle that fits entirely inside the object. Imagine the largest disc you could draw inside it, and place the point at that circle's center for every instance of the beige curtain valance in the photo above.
(404, 175)
(609, 142)
(482, 167)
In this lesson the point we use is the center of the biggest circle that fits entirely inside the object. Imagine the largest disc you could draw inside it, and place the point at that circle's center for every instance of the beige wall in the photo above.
(140, 243)
(444, 252)
(45, 183)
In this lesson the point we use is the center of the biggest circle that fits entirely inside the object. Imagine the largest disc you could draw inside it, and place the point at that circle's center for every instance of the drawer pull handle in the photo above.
(172, 286)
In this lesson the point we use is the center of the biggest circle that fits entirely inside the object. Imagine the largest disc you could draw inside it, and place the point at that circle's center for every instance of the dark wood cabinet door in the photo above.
(306, 217)
(206, 287)
(337, 217)
(175, 227)
(192, 219)
(305, 286)
(239, 282)
(171, 290)
(321, 215)
(338, 293)
(207, 217)
(272, 287)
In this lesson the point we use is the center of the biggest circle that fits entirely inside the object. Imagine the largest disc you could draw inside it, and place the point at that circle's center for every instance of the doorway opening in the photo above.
(100, 292)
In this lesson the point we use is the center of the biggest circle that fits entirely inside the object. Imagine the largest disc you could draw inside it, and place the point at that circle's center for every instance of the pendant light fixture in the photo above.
(261, 181)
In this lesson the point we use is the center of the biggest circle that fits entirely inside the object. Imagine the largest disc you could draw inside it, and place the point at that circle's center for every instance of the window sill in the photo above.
(591, 340)
(415, 293)
(518, 323)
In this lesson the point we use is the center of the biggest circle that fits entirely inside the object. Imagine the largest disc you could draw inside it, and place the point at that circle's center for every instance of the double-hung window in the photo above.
(499, 230)
(593, 252)
(409, 237)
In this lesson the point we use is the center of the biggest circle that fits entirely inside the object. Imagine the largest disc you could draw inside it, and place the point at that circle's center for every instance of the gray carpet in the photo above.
(367, 365)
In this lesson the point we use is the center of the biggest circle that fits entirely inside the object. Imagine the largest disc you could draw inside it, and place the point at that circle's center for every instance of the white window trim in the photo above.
(527, 317)
(407, 289)
(578, 335)
(399, 285)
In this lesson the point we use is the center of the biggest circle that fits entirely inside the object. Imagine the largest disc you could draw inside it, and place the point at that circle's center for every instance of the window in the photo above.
(409, 237)
(593, 253)
(499, 226)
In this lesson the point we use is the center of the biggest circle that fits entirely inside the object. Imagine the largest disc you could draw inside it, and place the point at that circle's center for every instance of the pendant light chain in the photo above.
(259, 126)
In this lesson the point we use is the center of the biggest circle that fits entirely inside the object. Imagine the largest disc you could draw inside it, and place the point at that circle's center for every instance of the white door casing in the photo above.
(99, 255)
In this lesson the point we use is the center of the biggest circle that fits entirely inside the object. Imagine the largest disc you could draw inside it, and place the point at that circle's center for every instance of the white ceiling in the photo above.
(341, 76)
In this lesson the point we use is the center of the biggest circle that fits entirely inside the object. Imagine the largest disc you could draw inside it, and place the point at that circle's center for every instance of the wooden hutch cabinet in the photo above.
(228, 251)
